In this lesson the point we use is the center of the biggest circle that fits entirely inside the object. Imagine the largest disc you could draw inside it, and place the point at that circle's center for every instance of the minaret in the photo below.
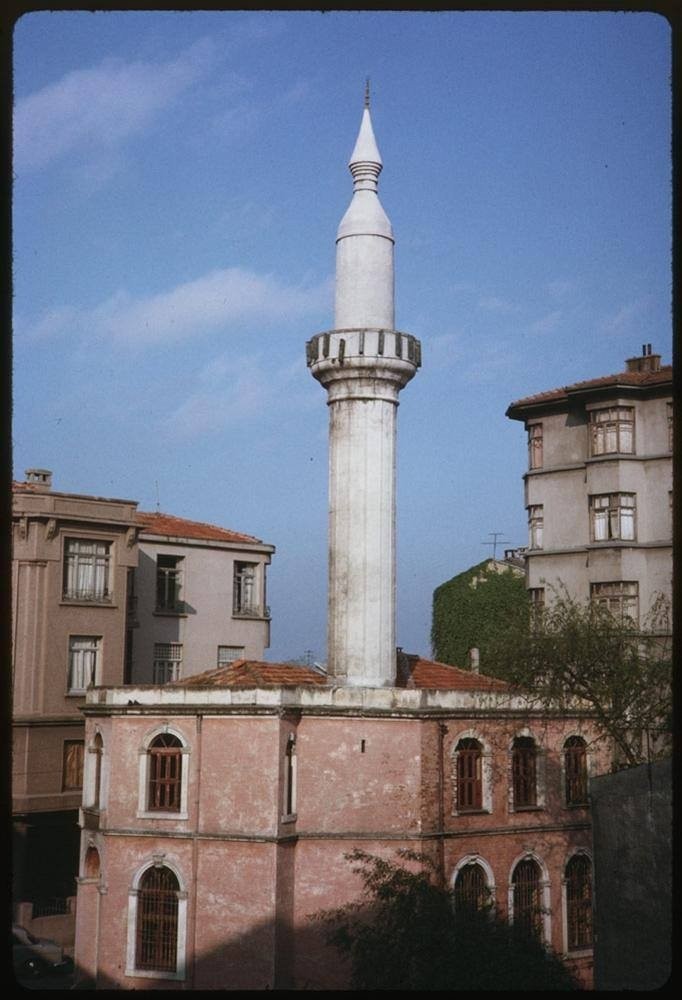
(363, 363)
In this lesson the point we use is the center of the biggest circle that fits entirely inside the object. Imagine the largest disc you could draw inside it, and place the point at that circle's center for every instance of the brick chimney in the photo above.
(40, 479)
(647, 362)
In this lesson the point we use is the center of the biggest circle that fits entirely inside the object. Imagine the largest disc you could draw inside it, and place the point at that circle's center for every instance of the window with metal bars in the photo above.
(575, 768)
(524, 772)
(469, 775)
(157, 921)
(167, 662)
(579, 902)
(165, 773)
(527, 897)
(471, 889)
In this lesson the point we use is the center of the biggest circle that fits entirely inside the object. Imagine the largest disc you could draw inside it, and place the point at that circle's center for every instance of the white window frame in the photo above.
(143, 811)
(94, 760)
(239, 650)
(87, 559)
(91, 644)
(576, 952)
(535, 446)
(612, 431)
(475, 859)
(131, 940)
(289, 783)
(540, 772)
(613, 517)
(536, 521)
(167, 664)
(545, 893)
(617, 600)
(177, 572)
(486, 773)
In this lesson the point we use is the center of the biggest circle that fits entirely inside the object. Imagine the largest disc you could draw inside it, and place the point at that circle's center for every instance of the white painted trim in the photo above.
(577, 952)
(545, 893)
(475, 859)
(143, 775)
(181, 944)
(486, 772)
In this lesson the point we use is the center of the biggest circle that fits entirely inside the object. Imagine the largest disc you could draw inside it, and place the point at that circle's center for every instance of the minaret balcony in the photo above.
(365, 354)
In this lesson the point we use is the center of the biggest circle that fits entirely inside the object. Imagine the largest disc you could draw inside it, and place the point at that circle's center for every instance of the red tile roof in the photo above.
(257, 673)
(254, 673)
(431, 674)
(640, 380)
(179, 527)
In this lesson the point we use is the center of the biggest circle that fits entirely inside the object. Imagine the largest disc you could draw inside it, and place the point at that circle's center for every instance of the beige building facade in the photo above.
(598, 489)
(72, 556)
(200, 599)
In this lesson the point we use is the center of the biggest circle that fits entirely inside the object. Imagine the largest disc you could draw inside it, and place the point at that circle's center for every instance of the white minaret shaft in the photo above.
(363, 363)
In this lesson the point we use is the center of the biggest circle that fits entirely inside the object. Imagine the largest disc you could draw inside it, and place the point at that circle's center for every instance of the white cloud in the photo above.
(622, 320)
(546, 323)
(560, 287)
(98, 108)
(195, 308)
(234, 390)
(493, 303)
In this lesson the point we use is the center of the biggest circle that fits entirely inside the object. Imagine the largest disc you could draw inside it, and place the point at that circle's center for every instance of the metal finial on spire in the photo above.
(367, 92)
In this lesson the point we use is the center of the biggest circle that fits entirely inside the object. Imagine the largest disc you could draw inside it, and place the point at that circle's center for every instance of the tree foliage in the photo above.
(569, 650)
(467, 610)
(404, 934)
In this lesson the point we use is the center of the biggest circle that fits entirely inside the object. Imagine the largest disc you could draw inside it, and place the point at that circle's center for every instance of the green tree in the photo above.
(467, 610)
(570, 651)
(405, 934)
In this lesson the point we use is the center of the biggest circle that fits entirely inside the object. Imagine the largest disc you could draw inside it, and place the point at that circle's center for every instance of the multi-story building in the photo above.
(199, 599)
(218, 812)
(598, 488)
(72, 556)
(104, 594)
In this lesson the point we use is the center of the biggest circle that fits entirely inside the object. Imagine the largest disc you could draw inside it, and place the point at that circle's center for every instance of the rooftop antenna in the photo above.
(495, 542)
(158, 502)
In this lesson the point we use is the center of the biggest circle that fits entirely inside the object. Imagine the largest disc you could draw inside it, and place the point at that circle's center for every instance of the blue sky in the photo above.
(179, 177)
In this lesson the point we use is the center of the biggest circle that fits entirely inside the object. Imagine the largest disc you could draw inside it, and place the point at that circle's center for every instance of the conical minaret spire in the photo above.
(363, 364)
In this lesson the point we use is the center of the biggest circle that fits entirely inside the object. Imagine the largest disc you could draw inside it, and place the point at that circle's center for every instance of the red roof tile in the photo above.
(254, 673)
(431, 674)
(626, 379)
(179, 527)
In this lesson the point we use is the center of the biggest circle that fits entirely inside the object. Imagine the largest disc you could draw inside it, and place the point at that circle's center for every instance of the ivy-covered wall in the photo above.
(469, 610)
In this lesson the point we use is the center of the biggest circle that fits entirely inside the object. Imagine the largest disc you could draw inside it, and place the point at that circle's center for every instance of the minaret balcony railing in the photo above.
(369, 344)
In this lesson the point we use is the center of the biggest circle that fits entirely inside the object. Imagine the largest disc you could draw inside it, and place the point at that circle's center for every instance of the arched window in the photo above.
(165, 773)
(97, 749)
(527, 896)
(469, 776)
(575, 769)
(156, 937)
(579, 902)
(524, 772)
(471, 888)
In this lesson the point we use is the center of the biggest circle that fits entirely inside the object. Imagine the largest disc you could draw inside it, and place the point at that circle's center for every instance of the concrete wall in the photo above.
(632, 838)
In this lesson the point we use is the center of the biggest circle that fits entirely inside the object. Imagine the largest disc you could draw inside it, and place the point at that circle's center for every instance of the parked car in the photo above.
(34, 956)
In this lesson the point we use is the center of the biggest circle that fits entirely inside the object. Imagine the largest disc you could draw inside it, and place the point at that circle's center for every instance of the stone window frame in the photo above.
(93, 776)
(143, 810)
(475, 859)
(586, 949)
(540, 771)
(486, 774)
(545, 892)
(180, 974)
(289, 782)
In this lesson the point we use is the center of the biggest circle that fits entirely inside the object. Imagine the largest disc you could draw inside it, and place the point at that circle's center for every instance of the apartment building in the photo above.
(598, 489)
(199, 599)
